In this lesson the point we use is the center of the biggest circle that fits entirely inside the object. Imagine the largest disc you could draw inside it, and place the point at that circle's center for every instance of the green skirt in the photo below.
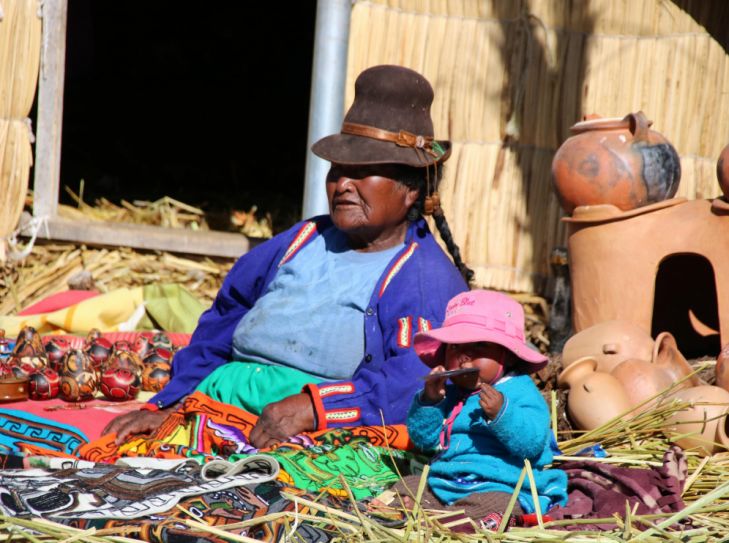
(252, 385)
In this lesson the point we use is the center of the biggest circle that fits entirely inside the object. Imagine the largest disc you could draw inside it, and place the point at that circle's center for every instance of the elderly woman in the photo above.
(313, 329)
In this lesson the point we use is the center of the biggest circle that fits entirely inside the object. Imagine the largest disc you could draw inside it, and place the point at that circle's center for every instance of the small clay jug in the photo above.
(610, 343)
(594, 397)
(722, 368)
(705, 419)
(667, 357)
(615, 161)
(641, 380)
(722, 171)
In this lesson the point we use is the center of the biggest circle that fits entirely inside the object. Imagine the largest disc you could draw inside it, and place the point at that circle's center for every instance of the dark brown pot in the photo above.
(722, 171)
(615, 161)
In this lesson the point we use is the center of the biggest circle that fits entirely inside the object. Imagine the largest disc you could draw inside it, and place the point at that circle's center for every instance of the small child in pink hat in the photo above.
(482, 425)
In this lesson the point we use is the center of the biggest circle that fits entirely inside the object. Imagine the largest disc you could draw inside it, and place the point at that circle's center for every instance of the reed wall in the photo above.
(511, 77)
(20, 44)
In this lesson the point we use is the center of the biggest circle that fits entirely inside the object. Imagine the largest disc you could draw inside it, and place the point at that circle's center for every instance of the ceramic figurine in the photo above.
(722, 171)
(6, 346)
(610, 343)
(119, 384)
(594, 397)
(704, 420)
(99, 350)
(123, 345)
(28, 343)
(162, 341)
(615, 161)
(155, 376)
(45, 384)
(125, 359)
(56, 348)
(143, 344)
(158, 354)
(79, 379)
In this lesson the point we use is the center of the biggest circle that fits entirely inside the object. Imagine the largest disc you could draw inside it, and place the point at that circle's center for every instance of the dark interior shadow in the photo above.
(713, 15)
(685, 304)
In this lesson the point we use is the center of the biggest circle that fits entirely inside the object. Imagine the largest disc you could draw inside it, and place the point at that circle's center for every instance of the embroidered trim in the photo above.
(397, 266)
(301, 238)
(424, 325)
(343, 415)
(333, 390)
(405, 325)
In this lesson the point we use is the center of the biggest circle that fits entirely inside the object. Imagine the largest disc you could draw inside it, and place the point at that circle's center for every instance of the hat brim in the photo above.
(427, 344)
(351, 149)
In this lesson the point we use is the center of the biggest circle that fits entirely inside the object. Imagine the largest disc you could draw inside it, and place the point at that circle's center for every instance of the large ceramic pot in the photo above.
(722, 171)
(594, 397)
(615, 161)
(702, 425)
(609, 343)
(667, 357)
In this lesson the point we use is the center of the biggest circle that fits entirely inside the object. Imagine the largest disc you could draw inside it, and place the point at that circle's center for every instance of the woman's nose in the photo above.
(343, 183)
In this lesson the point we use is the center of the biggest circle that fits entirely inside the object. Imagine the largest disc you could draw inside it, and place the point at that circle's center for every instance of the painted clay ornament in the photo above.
(56, 348)
(99, 350)
(128, 360)
(119, 384)
(79, 380)
(158, 354)
(615, 161)
(162, 341)
(28, 343)
(44, 384)
(155, 376)
(143, 344)
(594, 397)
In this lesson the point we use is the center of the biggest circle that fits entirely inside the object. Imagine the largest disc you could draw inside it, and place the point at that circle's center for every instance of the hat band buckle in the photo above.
(403, 138)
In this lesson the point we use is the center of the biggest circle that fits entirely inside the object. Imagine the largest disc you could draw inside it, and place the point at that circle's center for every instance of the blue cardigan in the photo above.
(410, 296)
(488, 456)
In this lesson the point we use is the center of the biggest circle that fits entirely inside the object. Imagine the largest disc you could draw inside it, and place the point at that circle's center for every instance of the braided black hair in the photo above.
(425, 179)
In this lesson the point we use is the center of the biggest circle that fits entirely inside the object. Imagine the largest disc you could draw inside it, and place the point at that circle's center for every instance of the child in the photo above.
(484, 424)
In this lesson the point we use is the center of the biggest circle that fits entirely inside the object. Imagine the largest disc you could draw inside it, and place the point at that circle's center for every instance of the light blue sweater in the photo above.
(488, 456)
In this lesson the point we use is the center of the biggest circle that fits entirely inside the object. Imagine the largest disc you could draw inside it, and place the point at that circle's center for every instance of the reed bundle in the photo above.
(511, 77)
(20, 42)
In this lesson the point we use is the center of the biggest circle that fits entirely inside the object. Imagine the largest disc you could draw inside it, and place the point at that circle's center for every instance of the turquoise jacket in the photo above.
(488, 456)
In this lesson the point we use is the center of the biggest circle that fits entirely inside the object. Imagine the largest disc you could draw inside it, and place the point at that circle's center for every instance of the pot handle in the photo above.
(639, 125)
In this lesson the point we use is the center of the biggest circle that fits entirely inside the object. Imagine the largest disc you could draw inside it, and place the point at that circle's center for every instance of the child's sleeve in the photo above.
(425, 422)
(522, 424)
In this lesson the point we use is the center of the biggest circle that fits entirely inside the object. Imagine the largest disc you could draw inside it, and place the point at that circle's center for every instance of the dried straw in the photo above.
(20, 41)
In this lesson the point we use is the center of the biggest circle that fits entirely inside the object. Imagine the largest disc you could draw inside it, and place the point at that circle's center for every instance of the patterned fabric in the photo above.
(23, 431)
(111, 492)
(207, 430)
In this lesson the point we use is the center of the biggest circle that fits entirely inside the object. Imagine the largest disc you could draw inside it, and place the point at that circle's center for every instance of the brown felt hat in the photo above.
(389, 122)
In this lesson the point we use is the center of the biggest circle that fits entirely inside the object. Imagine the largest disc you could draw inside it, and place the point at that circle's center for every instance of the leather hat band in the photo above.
(402, 138)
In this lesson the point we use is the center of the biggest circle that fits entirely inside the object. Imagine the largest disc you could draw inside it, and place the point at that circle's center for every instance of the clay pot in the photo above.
(594, 397)
(667, 356)
(641, 381)
(610, 343)
(722, 171)
(615, 161)
(705, 420)
(722, 368)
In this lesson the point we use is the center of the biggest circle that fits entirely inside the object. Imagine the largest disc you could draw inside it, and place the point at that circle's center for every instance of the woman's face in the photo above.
(367, 203)
(489, 358)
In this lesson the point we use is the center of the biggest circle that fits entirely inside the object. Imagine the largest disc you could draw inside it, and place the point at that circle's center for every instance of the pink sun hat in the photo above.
(480, 315)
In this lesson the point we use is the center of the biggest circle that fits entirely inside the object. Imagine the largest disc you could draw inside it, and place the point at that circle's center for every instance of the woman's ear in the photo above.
(411, 197)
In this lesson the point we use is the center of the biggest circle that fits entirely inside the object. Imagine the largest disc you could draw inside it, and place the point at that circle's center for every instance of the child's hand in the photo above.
(434, 390)
(491, 400)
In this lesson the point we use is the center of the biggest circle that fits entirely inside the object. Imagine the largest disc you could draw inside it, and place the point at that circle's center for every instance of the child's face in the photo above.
(489, 358)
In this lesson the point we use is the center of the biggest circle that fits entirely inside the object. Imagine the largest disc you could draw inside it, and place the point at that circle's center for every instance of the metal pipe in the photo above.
(326, 106)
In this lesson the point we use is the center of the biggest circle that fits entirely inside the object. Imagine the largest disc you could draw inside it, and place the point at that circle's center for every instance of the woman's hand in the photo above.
(491, 400)
(434, 390)
(283, 419)
(136, 422)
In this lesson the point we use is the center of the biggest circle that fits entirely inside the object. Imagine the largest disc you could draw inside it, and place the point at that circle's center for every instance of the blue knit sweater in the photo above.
(488, 456)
